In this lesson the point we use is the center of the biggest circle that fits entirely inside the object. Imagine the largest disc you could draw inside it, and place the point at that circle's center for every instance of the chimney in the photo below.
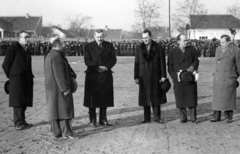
(27, 16)
(106, 28)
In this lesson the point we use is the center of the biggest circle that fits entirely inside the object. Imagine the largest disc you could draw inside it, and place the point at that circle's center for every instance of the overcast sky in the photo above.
(113, 13)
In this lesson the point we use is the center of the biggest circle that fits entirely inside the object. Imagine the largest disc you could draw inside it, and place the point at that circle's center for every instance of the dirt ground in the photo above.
(127, 136)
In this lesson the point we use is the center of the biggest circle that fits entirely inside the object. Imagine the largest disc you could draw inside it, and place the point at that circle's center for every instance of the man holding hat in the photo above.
(149, 74)
(58, 85)
(17, 66)
(226, 72)
(182, 62)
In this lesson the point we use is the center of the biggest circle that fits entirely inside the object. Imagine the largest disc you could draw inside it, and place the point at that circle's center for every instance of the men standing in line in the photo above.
(226, 72)
(99, 58)
(149, 72)
(58, 74)
(17, 66)
(184, 58)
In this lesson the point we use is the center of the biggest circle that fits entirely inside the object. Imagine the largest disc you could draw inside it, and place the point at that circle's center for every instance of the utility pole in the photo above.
(169, 19)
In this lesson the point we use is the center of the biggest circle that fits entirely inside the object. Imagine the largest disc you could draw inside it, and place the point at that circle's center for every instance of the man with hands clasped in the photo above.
(99, 58)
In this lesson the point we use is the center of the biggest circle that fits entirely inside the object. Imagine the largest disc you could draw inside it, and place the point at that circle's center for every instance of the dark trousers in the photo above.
(156, 112)
(192, 112)
(19, 115)
(227, 115)
(102, 115)
(61, 128)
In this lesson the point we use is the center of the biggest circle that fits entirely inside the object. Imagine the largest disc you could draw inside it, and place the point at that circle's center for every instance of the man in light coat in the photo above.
(58, 85)
(149, 72)
(226, 72)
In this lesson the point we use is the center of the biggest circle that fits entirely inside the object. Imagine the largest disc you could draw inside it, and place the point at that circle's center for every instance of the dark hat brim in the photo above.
(74, 85)
(165, 86)
(187, 77)
(6, 87)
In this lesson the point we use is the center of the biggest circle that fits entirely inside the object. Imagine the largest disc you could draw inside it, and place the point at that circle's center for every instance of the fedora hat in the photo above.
(74, 85)
(186, 77)
(165, 86)
(6, 87)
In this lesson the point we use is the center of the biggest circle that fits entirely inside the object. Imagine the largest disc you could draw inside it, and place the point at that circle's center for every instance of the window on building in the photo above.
(203, 37)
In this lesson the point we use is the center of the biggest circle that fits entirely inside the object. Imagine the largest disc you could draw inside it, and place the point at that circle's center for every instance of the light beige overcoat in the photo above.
(227, 71)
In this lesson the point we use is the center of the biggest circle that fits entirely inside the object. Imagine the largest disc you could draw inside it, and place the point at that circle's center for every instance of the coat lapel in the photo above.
(186, 54)
(103, 49)
(227, 53)
(152, 51)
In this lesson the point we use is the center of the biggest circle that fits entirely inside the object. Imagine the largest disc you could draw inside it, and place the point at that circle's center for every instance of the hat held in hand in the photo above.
(165, 86)
(6, 87)
(186, 77)
(74, 85)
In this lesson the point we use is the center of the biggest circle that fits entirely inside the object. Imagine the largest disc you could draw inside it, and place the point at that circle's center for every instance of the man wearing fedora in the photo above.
(185, 59)
(149, 74)
(99, 58)
(17, 66)
(226, 72)
(58, 85)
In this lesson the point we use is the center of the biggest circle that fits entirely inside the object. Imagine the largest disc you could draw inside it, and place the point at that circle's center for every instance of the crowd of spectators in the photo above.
(205, 48)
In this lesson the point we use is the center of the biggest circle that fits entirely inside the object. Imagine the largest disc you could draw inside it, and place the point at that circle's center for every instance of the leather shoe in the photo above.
(145, 121)
(183, 121)
(105, 124)
(160, 121)
(28, 125)
(229, 121)
(214, 120)
(93, 125)
(195, 121)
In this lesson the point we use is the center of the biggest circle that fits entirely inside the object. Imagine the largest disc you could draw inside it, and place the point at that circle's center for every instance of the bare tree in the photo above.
(78, 24)
(234, 10)
(185, 9)
(147, 13)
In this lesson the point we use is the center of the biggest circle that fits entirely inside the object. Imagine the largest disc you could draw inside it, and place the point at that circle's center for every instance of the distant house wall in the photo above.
(211, 33)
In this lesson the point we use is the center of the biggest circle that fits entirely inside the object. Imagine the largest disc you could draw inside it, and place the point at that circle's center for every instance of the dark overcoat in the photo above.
(57, 73)
(17, 66)
(185, 95)
(149, 69)
(226, 72)
(99, 86)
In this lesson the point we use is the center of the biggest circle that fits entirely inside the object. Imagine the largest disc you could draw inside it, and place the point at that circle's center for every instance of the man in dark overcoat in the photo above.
(184, 58)
(58, 74)
(226, 73)
(17, 66)
(99, 58)
(149, 72)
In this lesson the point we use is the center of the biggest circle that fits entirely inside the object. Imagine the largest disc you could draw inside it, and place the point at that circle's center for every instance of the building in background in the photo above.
(213, 26)
(10, 26)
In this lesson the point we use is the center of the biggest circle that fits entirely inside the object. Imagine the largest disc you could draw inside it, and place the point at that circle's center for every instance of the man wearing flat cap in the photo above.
(99, 58)
(17, 66)
(179, 59)
(149, 74)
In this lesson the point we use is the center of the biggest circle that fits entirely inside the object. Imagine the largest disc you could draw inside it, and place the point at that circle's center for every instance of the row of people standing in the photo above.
(149, 73)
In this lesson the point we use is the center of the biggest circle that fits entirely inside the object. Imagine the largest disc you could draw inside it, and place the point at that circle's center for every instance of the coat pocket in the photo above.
(232, 75)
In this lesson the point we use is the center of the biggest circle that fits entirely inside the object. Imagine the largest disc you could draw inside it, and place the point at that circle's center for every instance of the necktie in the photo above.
(100, 45)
